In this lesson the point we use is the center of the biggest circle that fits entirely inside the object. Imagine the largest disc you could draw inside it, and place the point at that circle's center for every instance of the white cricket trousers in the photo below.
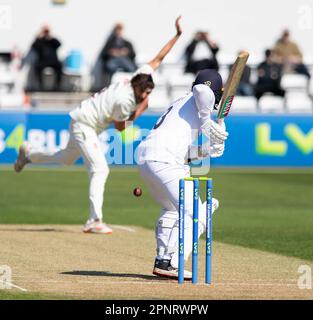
(163, 181)
(83, 142)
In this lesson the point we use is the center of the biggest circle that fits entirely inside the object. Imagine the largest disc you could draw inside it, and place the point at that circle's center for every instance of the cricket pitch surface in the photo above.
(60, 261)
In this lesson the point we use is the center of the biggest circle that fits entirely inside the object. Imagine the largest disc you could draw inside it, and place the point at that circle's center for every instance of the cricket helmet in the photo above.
(211, 78)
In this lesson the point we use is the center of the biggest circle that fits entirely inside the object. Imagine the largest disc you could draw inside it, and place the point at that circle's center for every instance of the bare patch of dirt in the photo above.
(61, 260)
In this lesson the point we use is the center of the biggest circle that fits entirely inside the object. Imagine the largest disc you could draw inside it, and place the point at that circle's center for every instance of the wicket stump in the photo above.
(195, 228)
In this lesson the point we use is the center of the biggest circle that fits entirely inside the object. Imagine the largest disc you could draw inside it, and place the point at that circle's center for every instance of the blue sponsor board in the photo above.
(12, 133)
(254, 140)
(271, 140)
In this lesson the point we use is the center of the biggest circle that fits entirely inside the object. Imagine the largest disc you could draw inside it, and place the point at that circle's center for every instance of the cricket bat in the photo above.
(231, 86)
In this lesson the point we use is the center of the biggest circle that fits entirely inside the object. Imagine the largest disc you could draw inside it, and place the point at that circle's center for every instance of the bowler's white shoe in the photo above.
(100, 227)
(163, 268)
(22, 159)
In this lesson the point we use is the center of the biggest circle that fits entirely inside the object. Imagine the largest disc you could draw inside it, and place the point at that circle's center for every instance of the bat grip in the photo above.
(220, 121)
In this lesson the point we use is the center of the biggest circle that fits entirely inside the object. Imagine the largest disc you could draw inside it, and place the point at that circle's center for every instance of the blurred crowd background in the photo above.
(40, 74)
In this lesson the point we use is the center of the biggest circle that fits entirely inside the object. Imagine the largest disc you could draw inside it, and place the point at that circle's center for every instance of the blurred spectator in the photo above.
(118, 54)
(201, 53)
(288, 53)
(45, 48)
(269, 77)
(245, 87)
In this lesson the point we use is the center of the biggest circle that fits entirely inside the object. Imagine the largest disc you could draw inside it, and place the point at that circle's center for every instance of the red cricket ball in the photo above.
(137, 192)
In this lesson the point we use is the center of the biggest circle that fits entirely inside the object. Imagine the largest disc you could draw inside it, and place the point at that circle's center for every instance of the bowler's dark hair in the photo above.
(143, 81)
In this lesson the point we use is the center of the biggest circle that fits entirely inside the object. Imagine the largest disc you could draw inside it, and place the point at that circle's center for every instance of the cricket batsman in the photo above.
(163, 159)
(120, 102)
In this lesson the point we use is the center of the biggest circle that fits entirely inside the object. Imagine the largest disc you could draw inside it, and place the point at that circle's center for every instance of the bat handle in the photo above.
(220, 121)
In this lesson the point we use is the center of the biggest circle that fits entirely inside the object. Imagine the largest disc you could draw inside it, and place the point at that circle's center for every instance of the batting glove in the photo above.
(215, 132)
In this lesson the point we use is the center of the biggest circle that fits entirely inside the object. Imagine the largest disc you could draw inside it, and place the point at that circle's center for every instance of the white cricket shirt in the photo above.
(176, 130)
(115, 103)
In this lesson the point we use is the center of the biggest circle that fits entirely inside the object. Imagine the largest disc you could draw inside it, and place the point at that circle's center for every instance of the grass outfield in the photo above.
(263, 209)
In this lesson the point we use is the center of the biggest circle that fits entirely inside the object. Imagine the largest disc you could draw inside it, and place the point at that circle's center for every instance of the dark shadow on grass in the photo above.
(32, 230)
(36, 230)
(112, 274)
(39, 230)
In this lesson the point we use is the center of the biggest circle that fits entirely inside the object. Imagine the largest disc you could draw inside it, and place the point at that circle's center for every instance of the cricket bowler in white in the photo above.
(120, 102)
(163, 159)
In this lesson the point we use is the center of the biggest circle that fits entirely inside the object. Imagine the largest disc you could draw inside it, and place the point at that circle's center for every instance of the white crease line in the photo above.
(229, 281)
(15, 286)
(167, 282)
(123, 228)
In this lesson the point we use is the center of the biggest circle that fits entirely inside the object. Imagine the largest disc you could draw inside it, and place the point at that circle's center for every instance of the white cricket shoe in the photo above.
(100, 227)
(22, 159)
(163, 268)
